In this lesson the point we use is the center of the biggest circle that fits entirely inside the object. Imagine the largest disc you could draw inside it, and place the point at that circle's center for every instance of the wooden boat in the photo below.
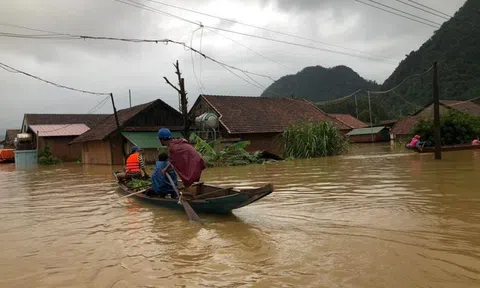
(447, 148)
(207, 198)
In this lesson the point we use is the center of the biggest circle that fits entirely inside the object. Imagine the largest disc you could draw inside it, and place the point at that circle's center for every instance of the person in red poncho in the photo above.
(186, 161)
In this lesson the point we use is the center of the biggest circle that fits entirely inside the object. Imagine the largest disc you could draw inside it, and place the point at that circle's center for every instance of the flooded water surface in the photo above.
(372, 218)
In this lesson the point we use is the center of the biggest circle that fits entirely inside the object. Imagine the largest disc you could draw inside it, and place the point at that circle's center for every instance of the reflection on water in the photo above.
(376, 217)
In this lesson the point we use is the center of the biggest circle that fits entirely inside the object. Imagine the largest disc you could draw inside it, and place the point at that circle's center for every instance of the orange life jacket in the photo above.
(133, 164)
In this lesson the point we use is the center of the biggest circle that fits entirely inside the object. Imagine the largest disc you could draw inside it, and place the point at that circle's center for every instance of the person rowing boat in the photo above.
(186, 161)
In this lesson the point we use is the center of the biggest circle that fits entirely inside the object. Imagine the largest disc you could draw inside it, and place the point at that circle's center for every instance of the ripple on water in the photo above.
(355, 220)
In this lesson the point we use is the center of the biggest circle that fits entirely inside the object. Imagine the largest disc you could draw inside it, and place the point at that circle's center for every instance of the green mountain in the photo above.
(318, 84)
(456, 48)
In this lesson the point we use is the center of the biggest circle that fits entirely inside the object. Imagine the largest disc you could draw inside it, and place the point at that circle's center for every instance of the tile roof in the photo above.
(59, 130)
(351, 121)
(463, 106)
(90, 120)
(109, 125)
(242, 114)
(405, 125)
(10, 135)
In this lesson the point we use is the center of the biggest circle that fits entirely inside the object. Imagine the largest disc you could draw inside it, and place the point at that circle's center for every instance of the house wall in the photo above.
(96, 152)
(270, 142)
(382, 136)
(366, 138)
(158, 115)
(60, 148)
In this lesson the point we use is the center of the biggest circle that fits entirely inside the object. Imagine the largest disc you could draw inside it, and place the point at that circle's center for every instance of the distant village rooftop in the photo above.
(250, 114)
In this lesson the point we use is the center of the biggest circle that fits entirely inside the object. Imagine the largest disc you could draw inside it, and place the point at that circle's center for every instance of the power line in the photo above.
(13, 70)
(156, 41)
(151, 9)
(257, 27)
(339, 100)
(200, 86)
(400, 11)
(94, 109)
(250, 49)
(401, 83)
(425, 6)
(406, 17)
(424, 10)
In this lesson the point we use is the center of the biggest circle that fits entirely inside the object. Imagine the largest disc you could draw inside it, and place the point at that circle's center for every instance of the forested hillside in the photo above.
(318, 84)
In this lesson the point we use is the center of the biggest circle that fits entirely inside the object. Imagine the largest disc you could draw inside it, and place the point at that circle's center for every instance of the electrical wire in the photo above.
(148, 8)
(413, 19)
(91, 111)
(401, 83)
(257, 27)
(406, 13)
(248, 48)
(13, 70)
(338, 100)
(424, 10)
(425, 6)
(156, 41)
(200, 86)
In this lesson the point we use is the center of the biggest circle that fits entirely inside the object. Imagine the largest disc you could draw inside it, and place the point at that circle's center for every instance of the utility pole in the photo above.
(370, 109)
(356, 105)
(117, 122)
(436, 113)
(183, 99)
(130, 97)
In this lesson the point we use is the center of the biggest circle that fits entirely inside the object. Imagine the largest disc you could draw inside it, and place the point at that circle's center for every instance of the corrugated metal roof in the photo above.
(57, 130)
(146, 140)
(365, 131)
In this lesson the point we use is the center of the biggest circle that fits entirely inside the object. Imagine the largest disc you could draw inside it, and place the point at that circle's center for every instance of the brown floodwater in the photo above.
(372, 218)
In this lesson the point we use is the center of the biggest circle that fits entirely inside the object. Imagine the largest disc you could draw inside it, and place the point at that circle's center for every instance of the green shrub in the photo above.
(45, 157)
(313, 139)
(455, 128)
(233, 155)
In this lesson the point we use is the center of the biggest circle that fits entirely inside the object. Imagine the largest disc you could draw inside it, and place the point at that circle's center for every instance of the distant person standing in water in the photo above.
(415, 142)
(186, 161)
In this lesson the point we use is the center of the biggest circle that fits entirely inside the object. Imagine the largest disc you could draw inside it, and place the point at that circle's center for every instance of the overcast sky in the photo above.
(108, 66)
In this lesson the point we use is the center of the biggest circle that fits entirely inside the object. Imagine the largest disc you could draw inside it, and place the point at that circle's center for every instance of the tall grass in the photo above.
(313, 139)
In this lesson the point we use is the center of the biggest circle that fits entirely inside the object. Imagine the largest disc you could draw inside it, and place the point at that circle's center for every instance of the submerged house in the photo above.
(105, 144)
(8, 141)
(369, 134)
(403, 128)
(259, 120)
(57, 130)
(349, 120)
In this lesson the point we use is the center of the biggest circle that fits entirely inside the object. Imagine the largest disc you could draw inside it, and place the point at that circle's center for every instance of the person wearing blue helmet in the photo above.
(184, 159)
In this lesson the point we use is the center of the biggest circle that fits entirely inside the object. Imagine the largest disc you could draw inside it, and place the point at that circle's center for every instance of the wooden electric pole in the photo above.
(370, 109)
(183, 99)
(356, 105)
(436, 113)
(117, 122)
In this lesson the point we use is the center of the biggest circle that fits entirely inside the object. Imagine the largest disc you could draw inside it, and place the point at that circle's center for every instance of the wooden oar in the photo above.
(135, 193)
(192, 215)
